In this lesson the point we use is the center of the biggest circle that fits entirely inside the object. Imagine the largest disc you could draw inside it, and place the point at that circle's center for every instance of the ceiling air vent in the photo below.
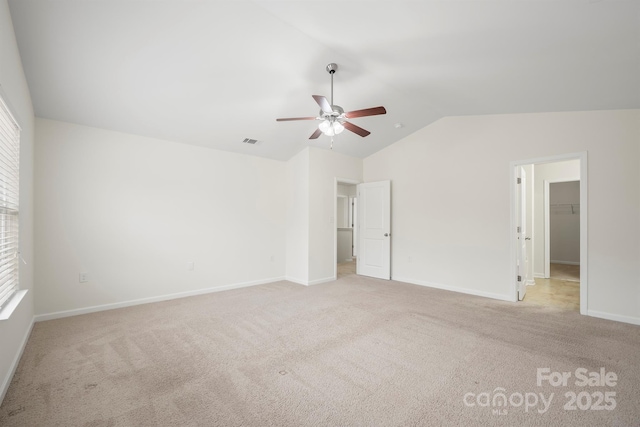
(250, 141)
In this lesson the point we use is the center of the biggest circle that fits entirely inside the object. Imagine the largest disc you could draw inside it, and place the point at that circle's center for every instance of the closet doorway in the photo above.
(560, 286)
(556, 271)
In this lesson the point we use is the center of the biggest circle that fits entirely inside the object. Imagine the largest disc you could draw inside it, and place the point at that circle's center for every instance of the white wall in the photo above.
(345, 241)
(297, 214)
(342, 212)
(15, 92)
(133, 211)
(325, 167)
(451, 200)
(564, 223)
(311, 222)
(557, 171)
(348, 190)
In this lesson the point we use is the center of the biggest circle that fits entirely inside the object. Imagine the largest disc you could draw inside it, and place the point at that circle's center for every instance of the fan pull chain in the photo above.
(331, 143)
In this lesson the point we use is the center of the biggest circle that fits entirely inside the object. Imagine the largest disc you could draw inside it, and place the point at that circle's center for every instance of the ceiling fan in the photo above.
(333, 117)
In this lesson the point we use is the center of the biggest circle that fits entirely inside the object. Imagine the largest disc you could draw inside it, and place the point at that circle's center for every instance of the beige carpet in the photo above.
(356, 352)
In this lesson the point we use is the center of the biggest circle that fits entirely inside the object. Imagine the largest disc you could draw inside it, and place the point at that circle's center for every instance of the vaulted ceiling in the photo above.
(211, 73)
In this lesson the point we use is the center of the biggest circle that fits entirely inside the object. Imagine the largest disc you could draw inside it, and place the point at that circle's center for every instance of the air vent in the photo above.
(250, 141)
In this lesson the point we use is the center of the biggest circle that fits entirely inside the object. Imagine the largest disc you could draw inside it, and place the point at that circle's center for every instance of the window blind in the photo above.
(9, 203)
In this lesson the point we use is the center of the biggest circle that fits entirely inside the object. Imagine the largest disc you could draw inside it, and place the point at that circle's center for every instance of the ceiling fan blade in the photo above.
(288, 119)
(356, 129)
(323, 103)
(366, 112)
(316, 134)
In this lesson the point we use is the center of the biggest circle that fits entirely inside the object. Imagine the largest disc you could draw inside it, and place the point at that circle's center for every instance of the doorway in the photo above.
(562, 229)
(368, 208)
(555, 233)
(560, 286)
(346, 241)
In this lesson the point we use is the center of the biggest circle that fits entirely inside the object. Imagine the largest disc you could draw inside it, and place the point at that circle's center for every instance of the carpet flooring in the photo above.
(353, 352)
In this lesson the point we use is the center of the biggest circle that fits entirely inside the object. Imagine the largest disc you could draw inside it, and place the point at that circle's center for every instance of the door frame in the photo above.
(584, 208)
(337, 181)
(547, 228)
(521, 221)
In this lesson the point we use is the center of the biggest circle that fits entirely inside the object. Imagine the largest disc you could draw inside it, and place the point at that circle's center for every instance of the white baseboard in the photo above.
(502, 297)
(614, 317)
(310, 282)
(297, 281)
(96, 308)
(539, 275)
(565, 262)
(531, 282)
(14, 365)
(325, 280)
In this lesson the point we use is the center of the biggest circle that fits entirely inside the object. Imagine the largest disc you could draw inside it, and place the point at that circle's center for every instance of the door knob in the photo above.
(527, 238)
(386, 234)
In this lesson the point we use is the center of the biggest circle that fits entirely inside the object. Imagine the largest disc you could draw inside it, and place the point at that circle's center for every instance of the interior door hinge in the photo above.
(519, 181)
(519, 278)
(518, 229)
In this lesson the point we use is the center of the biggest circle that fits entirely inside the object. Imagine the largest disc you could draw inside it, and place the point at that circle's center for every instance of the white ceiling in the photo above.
(212, 73)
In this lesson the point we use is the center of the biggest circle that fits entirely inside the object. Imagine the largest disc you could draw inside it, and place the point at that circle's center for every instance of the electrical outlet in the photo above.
(191, 266)
(273, 258)
(83, 277)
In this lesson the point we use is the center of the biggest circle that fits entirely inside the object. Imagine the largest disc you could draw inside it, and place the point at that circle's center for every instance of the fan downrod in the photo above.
(331, 69)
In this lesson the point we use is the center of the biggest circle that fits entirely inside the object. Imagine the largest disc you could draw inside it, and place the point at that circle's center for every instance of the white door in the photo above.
(521, 212)
(354, 224)
(374, 229)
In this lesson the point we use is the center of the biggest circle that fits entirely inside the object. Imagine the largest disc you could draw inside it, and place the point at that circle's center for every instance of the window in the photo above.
(9, 204)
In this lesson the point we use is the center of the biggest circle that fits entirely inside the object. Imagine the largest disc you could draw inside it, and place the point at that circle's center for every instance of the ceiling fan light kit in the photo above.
(333, 118)
(331, 127)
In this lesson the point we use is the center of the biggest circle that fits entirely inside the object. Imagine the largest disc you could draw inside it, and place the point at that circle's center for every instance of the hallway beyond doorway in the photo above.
(565, 272)
(561, 290)
(346, 268)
